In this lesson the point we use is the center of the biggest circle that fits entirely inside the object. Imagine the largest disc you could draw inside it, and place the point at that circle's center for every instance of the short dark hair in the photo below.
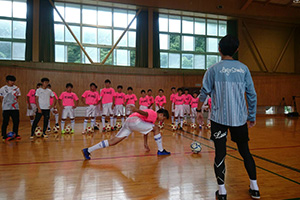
(45, 79)
(164, 111)
(186, 89)
(107, 81)
(195, 92)
(69, 85)
(10, 78)
(173, 88)
(39, 85)
(120, 86)
(93, 84)
(161, 90)
(143, 91)
(229, 45)
(179, 89)
(129, 88)
(49, 85)
(149, 90)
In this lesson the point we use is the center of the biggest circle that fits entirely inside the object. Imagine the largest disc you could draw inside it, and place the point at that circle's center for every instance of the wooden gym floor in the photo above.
(54, 168)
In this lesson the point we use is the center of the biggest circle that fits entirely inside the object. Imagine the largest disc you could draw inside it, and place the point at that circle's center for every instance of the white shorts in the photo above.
(187, 109)
(53, 110)
(98, 110)
(90, 111)
(179, 110)
(193, 112)
(107, 110)
(157, 108)
(32, 111)
(119, 110)
(134, 124)
(127, 109)
(173, 107)
(143, 107)
(68, 111)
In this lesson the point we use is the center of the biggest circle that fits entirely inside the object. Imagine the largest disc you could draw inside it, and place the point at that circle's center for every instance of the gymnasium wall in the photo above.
(270, 88)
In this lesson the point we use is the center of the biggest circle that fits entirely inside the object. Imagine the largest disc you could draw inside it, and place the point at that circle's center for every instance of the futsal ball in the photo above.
(89, 129)
(38, 132)
(174, 127)
(68, 129)
(55, 129)
(118, 125)
(193, 125)
(208, 125)
(11, 134)
(161, 126)
(97, 124)
(196, 147)
(108, 127)
(184, 122)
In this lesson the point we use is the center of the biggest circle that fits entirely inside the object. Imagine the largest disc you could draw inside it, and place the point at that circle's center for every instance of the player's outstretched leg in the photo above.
(157, 137)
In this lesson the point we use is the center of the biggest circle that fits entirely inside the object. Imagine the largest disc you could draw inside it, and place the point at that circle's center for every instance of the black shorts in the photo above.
(238, 133)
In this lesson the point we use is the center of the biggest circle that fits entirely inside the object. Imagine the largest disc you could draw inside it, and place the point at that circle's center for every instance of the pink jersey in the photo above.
(160, 100)
(91, 97)
(187, 99)
(144, 101)
(152, 115)
(209, 102)
(107, 95)
(151, 100)
(68, 98)
(51, 98)
(131, 98)
(119, 98)
(31, 95)
(178, 100)
(194, 102)
(172, 96)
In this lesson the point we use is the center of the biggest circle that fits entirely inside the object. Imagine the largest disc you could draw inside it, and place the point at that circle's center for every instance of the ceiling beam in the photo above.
(246, 5)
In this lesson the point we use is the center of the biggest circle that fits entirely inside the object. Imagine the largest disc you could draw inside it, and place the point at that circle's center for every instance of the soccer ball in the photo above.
(38, 132)
(108, 127)
(118, 125)
(208, 125)
(97, 124)
(196, 147)
(184, 122)
(55, 129)
(89, 129)
(68, 129)
(11, 134)
(193, 125)
(161, 126)
(174, 127)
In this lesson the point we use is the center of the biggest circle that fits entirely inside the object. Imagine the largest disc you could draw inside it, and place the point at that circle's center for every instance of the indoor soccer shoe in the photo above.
(63, 131)
(220, 196)
(48, 129)
(57, 125)
(254, 194)
(86, 154)
(163, 153)
(72, 131)
(18, 137)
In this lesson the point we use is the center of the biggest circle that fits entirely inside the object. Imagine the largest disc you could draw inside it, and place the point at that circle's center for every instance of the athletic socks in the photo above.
(158, 141)
(73, 124)
(62, 124)
(185, 117)
(222, 190)
(92, 123)
(100, 145)
(49, 123)
(172, 117)
(85, 124)
(253, 185)
(176, 122)
(103, 121)
(56, 118)
(112, 121)
(122, 119)
(181, 122)
(193, 120)
(31, 121)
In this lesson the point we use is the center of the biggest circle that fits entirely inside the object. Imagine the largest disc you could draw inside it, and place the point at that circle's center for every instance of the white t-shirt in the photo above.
(44, 97)
(10, 94)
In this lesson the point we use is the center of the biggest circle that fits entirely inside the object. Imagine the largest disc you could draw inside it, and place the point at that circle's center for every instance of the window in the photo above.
(189, 43)
(12, 29)
(97, 28)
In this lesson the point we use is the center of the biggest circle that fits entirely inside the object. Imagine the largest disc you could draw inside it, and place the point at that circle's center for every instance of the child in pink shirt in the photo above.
(53, 110)
(160, 100)
(194, 104)
(31, 105)
(119, 105)
(143, 101)
(186, 105)
(178, 101)
(173, 90)
(90, 98)
(151, 99)
(107, 101)
(130, 100)
(140, 121)
(66, 102)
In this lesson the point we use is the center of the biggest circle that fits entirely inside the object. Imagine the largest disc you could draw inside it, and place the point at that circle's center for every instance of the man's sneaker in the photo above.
(72, 131)
(18, 137)
(57, 125)
(220, 196)
(63, 131)
(45, 135)
(254, 194)
(86, 154)
(96, 128)
(163, 153)
(48, 129)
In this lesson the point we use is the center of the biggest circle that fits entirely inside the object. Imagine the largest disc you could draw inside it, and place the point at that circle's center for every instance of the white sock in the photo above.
(49, 123)
(111, 121)
(56, 118)
(115, 121)
(85, 124)
(31, 121)
(172, 119)
(185, 117)
(62, 124)
(222, 190)
(158, 141)
(122, 119)
(253, 185)
(100, 145)
(103, 121)
(193, 120)
(73, 124)
(181, 122)
(92, 123)
(176, 122)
